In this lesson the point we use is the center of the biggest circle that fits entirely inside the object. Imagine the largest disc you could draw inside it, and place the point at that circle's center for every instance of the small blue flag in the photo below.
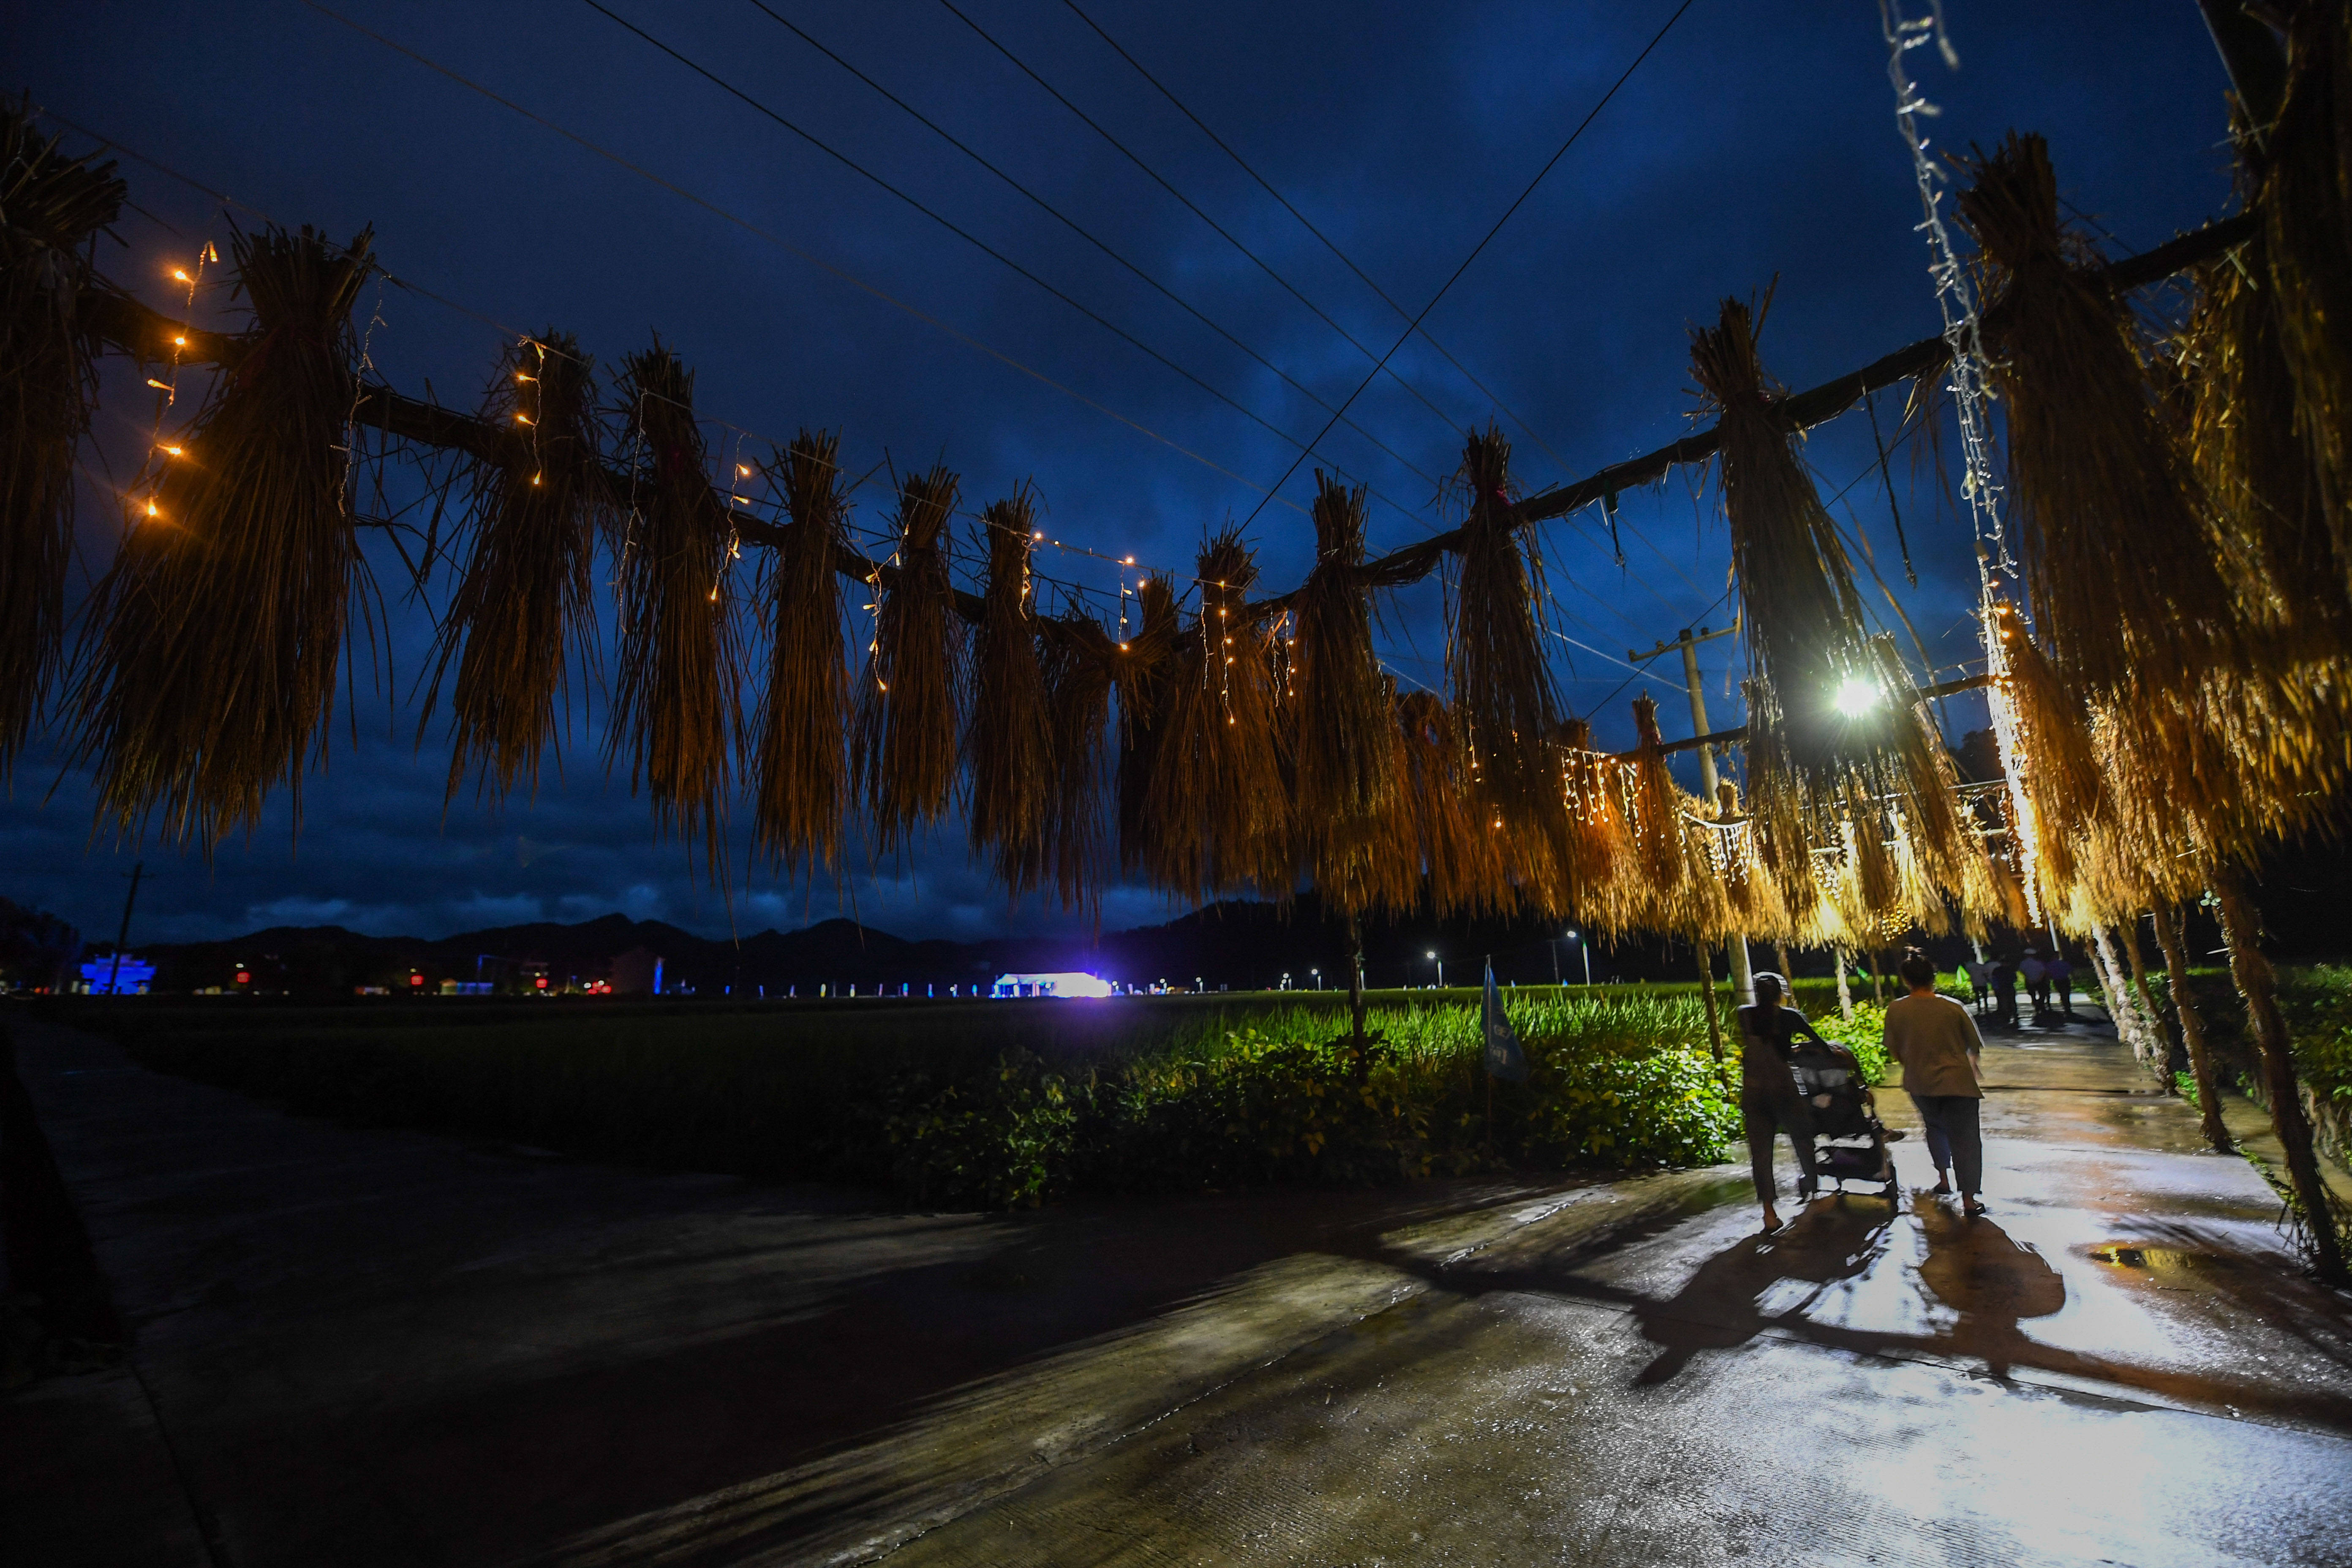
(1504, 1057)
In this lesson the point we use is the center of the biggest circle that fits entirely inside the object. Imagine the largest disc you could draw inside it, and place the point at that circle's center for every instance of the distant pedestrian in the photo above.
(2060, 976)
(1980, 975)
(2036, 976)
(1769, 1103)
(2004, 992)
(1937, 1044)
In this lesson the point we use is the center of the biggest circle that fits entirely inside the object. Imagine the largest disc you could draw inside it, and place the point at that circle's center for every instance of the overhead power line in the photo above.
(1488, 237)
(1304, 449)
(1309, 224)
(771, 238)
(1086, 234)
(1194, 208)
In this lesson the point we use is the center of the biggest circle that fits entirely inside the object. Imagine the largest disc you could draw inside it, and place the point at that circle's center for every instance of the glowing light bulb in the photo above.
(151, 511)
(179, 275)
(1856, 697)
(174, 451)
(180, 342)
(743, 470)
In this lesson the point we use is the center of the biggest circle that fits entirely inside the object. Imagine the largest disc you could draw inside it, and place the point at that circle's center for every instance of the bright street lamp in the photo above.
(1856, 697)
(1440, 969)
(1587, 952)
(1318, 977)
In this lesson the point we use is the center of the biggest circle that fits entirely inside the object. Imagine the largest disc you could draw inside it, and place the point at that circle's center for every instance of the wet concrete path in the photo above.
(387, 1348)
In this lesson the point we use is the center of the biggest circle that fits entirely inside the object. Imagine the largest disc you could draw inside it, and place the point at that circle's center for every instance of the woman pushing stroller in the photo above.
(1769, 1103)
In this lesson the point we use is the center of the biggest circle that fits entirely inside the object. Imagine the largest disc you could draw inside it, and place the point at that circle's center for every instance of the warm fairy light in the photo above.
(152, 509)
(534, 478)
(744, 471)
(179, 275)
(1122, 647)
(180, 342)
(172, 451)
(159, 385)
(1039, 534)
(1129, 561)
(521, 418)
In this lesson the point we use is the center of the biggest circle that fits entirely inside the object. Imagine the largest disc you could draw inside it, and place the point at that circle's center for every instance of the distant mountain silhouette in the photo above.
(1241, 944)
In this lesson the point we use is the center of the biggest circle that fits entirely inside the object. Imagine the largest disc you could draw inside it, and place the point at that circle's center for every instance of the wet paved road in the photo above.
(381, 1348)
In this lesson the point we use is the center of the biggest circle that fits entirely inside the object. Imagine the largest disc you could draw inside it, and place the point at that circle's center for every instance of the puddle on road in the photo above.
(2125, 1257)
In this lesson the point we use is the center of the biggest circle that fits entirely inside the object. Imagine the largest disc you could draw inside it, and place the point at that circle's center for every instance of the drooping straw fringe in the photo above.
(1464, 856)
(906, 741)
(219, 629)
(1008, 740)
(800, 797)
(1217, 808)
(1147, 676)
(1343, 737)
(523, 610)
(2118, 558)
(677, 705)
(1504, 701)
(1803, 614)
(2306, 204)
(49, 387)
(1077, 671)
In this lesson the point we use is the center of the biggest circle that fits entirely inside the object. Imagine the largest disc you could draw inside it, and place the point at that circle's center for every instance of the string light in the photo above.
(169, 387)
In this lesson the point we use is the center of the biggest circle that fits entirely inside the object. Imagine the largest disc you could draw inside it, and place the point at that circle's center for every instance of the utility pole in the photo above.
(1743, 984)
(114, 974)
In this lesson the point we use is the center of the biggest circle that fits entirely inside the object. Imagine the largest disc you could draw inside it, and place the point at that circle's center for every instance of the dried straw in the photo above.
(1343, 733)
(1803, 614)
(799, 799)
(1502, 696)
(2119, 561)
(539, 498)
(1008, 740)
(219, 629)
(2306, 203)
(49, 388)
(1217, 815)
(1147, 678)
(907, 705)
(1079, 666)
(677, 689)
(1467, 872)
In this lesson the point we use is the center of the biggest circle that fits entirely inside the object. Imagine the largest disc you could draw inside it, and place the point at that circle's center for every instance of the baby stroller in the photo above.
(1850, 1140)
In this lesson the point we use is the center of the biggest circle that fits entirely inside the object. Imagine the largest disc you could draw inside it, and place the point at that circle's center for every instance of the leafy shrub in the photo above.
(1865, 1036)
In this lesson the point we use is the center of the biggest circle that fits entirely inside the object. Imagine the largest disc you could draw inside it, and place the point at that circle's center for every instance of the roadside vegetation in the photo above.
(955, 1104)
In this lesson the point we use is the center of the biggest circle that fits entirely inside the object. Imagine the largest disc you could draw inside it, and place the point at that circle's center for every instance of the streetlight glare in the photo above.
(1856, 697)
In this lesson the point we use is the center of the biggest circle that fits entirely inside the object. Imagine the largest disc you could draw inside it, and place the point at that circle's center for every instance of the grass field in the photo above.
(997, 1103)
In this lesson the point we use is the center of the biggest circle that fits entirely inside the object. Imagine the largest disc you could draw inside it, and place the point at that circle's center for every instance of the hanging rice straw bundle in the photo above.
(1147, 677)
(677, 688)
(219, 629)
(2254, 464)
(2119, 560)
(48, 386)
(522, 609)
(1802, 612)
(907, 706)
(1342, 731)
(800, 797)
(2053, 763)
(1467, 873)
(2306, 203)
(1078, 666)
(1503, 694)
(1217, 814)
(1654, 815)
(1007, 739)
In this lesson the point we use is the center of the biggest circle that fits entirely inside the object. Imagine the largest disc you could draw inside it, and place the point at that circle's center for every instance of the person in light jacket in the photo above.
(1937, 1044)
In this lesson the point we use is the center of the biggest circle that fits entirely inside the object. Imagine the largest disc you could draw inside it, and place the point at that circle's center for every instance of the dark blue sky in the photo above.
(1757, 141)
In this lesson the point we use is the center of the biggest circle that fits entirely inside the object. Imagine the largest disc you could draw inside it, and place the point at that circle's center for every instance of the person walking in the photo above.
(1769, 1103)
(2059, 975)
(1937, 1044)
(2004, 991)
(2036, 976)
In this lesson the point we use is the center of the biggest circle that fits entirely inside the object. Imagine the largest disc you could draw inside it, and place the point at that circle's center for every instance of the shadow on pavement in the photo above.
(1967, 1299)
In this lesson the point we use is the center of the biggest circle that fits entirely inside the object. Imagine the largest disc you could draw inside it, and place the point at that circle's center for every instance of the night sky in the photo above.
(1757, 141)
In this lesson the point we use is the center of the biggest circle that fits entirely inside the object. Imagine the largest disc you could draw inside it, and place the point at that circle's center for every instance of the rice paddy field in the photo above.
(997, 1104)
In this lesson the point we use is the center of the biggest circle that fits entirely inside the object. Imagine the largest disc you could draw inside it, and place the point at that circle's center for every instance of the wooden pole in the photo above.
(1714, 1026)
(2192, 1032)
(2258, 985)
